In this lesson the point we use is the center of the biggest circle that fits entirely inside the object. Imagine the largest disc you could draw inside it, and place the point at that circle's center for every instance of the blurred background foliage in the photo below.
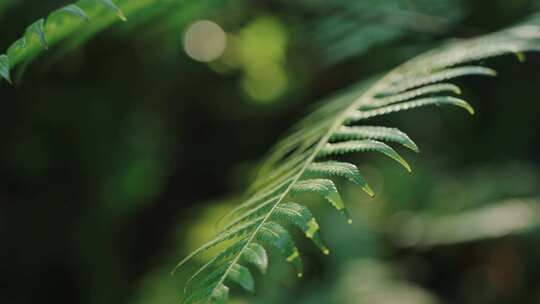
(120, 154)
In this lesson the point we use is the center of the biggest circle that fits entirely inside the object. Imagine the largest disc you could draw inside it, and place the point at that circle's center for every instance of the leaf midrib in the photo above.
(339, 121)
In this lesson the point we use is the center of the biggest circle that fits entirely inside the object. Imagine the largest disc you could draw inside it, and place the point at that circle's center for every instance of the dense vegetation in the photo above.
(102, 160)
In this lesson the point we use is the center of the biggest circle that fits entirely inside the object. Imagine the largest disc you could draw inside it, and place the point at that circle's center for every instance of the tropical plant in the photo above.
(75, 23)
(305, 160)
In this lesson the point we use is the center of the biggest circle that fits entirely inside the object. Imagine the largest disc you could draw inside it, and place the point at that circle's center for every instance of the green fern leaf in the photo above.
(336, 128)
(301, 217)
(215, 261)
(366, 145)
(74, 10)
(440, 100)
(326, 188)
(377, 133)
(222, 237)
(220, 295)
(113, 8)
(76, 23)
(4, 68)
(447, 74)
(208, 290)
(60, 23)
(242, 276)
(340, 169)
(255, 254)
(36, 29)
(425, 90)
(274, 234)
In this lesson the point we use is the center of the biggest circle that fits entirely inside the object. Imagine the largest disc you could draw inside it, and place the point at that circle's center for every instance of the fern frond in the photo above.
(345, 133)
(366, 145)
(277, 236)
(60, 24)
(338, 169)
(326, 188)
(255, 254)
(435, 77)
(75, 23)
(242, 276)
(301, 217)
(359, 115)
(304, 161)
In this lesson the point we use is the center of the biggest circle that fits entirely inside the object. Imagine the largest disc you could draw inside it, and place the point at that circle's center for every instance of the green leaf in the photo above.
(441, 100)
(340, 169)
(301, 217)
(76, 11)
(214, 262)
(220, 295)
(221, 237)
(198, 295)
(242, 276)
(366, 145)
(214, 294)
(277, 236)
(324, 187)
(4, 68)
(446, 74)
(112, 7)
(36, 29)
(255, 254)
(425, 90)
(378, 133)
(206, 288)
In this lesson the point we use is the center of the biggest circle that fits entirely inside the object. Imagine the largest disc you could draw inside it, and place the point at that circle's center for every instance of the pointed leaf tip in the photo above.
(383, 134)
(521, 57)
(367, 189)
(115, 9)
(76, 11)
(341, 169)
(407, 166)
(466, 106)
(121, 15)
(37, 28)
(366, 145)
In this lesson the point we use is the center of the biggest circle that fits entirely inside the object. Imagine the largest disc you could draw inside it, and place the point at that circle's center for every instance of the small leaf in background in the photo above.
(4, 68)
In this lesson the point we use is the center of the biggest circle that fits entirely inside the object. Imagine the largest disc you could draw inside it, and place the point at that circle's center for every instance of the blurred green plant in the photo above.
(295, 167)
(76, 23)
(354, 27)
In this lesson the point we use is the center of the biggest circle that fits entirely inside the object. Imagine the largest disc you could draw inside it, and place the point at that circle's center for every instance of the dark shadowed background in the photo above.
(119, 155)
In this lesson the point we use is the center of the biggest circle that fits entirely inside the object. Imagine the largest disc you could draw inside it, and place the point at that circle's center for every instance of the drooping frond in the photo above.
(60, 23)
(304, 162)
(75, 23)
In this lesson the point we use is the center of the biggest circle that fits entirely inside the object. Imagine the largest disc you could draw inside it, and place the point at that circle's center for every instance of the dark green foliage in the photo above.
(337, 128)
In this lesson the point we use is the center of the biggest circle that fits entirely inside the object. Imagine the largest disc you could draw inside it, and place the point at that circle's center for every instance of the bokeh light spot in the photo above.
(265, 82)
(205, 41)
